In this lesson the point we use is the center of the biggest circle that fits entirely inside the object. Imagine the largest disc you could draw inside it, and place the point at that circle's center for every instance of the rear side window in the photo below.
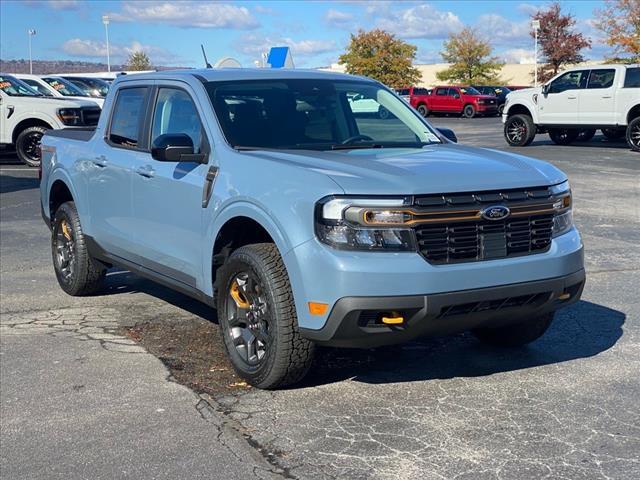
(632, 78)
(601, 78)
(420, 91)
(403, 91)
(126, 120)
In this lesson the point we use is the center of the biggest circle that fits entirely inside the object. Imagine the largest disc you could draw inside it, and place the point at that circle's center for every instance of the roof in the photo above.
(226, 74)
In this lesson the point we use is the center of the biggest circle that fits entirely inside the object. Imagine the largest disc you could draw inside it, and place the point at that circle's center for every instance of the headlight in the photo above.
(360, 224)
(563, 220)
(70, 116)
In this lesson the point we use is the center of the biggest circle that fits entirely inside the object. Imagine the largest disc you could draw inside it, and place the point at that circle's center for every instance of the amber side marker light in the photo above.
(316, 308)
(564, 296)
(392, 319)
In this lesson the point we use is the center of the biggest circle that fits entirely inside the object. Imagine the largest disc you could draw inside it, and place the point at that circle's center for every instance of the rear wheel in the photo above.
(515, 335)
(469, 111)
(586, 135)
(423, 110)
(519, 130)
(614, 133)
(28, 145)
(383, 113)
(563, 136)
(258, 319)
(633, 134)
(77, 272)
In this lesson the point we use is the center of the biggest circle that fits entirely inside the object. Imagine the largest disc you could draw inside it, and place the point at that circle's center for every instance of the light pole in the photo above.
(31, 33)
(536, 26)
(105, 20)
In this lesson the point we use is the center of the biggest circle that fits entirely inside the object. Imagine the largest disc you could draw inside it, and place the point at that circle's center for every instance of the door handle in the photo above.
(146, 171)
(100, 161)
(572, 98)
(607, 96)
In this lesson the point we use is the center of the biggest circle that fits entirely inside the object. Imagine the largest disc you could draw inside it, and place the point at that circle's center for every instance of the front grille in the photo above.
(464, 235)
(90, 116)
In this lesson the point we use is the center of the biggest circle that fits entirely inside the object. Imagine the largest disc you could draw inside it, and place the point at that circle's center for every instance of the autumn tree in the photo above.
(620, 22)
(470, 57)
(561, 45)
(382, 56)
(138, 61)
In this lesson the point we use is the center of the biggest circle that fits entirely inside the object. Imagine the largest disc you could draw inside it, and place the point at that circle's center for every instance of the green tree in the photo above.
(138, 61)
(470, 57)
(382, 56)
(620, 22)
(560, 43)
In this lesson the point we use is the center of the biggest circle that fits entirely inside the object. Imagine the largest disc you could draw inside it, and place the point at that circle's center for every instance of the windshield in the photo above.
(16, 88)
(64, 87)
(93, 87)
(315, 114)
(469, 91)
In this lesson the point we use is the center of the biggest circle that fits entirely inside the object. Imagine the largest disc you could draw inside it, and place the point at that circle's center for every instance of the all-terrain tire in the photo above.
(86, 274)
(469, 111)
(27, 145)
(515, 335)
(288, 356)
(563, 136)
(633, 134)
(519, 130)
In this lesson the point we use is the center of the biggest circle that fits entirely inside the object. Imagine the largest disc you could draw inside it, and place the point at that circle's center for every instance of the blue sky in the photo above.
(317, 32)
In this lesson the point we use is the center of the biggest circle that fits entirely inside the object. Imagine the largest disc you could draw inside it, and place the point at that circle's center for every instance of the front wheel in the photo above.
(633, 134)
(28, 145)
(519, 130)
(469, 111)
(515, 335)
(258, 319)
(563, 136)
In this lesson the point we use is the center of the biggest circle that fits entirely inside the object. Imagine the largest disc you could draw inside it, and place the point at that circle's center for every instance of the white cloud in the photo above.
(501, 31)
(64, 4)
(528, 9)
(257, 44)
(518, 55)
(84, 48)
(187, 14)
(421, 21)
(338, 18)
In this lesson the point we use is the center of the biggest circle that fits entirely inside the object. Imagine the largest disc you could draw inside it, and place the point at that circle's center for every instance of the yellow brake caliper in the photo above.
(66, 231)
(237, 296)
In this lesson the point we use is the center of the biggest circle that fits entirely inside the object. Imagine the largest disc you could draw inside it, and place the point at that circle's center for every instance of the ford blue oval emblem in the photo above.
(495, 212)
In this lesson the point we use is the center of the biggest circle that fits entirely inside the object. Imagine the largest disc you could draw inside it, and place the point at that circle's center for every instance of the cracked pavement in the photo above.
(80, 400)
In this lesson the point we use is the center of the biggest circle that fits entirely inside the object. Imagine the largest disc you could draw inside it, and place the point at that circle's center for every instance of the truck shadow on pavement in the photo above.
(9, 183)
(580, 331)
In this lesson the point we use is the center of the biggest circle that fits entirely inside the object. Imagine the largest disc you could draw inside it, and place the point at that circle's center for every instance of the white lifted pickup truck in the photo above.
(574, 104)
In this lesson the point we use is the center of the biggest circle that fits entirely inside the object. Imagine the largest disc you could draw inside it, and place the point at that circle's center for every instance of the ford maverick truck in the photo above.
(262, 194)
(574, 104)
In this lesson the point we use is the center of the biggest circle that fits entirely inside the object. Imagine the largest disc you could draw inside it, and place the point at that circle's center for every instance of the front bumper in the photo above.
(483, 108)
(355, 321)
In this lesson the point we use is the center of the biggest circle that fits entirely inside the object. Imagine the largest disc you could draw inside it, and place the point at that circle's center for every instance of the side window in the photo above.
(442, 91)
(127, 117)
(632, 78)
(403, 91)
(569, 81)
(601, 78)
(175, 112)
(453, 92)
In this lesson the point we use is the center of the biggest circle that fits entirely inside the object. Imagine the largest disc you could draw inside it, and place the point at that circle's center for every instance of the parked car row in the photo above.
(28, 111)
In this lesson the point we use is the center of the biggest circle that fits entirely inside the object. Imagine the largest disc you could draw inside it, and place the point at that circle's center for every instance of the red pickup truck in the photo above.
(465, 100)
(417, 98)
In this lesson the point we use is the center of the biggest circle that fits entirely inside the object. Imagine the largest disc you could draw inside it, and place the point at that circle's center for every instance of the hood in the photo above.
(56, 102)
(442, 168)
(524, 92)
(479, 97)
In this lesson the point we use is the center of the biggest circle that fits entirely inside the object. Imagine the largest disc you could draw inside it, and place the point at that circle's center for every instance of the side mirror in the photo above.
(545, 89)
(448, 134)
(175, 147)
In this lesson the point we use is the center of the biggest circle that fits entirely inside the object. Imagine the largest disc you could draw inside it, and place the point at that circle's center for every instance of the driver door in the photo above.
(561, 104)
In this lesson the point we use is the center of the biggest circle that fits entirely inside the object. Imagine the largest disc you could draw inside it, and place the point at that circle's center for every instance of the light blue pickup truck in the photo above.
(305, 222)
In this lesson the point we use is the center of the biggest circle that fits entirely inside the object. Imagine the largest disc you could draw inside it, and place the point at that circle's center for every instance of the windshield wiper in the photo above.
(354, 146)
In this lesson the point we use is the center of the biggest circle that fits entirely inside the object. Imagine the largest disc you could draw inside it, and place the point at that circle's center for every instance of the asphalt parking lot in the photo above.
(131, 383)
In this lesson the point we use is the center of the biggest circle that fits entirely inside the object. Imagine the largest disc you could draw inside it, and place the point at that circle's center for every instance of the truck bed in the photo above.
(80, 134)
